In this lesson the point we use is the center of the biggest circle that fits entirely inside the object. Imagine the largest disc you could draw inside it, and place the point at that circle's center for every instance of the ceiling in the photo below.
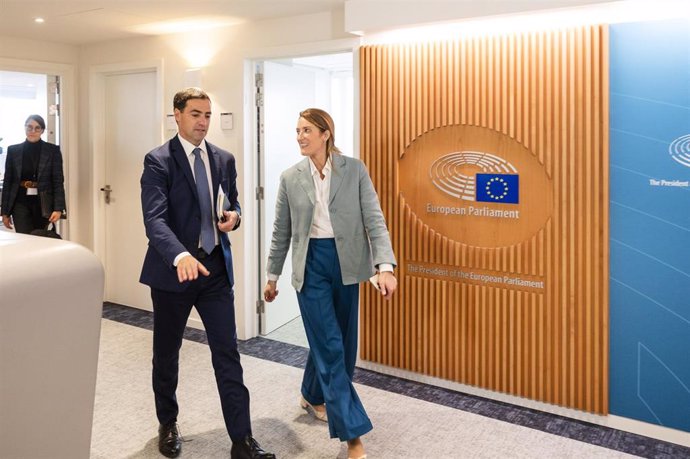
(83, 22)
(78, 22)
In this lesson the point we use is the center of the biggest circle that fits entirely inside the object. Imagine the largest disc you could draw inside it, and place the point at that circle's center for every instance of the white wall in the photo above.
(222, 54)
(29, 50)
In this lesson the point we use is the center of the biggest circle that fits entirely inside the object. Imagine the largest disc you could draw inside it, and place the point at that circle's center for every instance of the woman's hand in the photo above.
(270, 291)
(387, 284)
(7, 221)
(55, 216)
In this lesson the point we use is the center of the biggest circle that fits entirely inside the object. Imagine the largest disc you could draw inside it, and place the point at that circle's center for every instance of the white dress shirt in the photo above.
(321, 227)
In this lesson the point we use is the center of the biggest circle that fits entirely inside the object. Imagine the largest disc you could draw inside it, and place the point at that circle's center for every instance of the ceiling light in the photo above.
(39, 20)
(191, 24)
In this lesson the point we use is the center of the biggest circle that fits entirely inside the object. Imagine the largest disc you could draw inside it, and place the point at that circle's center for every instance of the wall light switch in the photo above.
(226, 120)
(170, 123)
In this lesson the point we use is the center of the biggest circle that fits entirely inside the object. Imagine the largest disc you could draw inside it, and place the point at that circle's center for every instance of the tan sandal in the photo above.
(309, 408)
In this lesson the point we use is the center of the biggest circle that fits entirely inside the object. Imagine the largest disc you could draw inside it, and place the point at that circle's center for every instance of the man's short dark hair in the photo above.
(181, 98)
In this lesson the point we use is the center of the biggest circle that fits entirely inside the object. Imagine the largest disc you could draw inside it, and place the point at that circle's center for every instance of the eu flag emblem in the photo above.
(502, 188)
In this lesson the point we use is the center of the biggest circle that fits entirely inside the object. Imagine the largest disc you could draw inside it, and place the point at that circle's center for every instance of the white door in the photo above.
(131, 131)
(288, 89)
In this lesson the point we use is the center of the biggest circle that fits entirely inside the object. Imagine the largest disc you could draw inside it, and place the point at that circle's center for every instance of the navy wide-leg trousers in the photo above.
(329, 312)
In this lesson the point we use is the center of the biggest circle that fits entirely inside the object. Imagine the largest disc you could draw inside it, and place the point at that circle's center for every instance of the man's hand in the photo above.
(188, 269)
(270, 291)
(229, 221)
(7, 221)
(387, 284)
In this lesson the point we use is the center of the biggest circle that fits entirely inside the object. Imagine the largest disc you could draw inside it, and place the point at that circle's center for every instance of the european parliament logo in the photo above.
(501, 188)
(680, 150)
(497, 181)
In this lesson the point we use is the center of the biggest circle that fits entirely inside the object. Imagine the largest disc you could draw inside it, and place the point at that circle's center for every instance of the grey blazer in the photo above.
(361, 236)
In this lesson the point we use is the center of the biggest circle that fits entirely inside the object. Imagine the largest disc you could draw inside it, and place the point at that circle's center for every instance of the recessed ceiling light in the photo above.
(39, 20)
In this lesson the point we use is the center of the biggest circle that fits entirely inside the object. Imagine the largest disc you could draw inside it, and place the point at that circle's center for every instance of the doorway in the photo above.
(130, 129)
(23, 94)
(284, 88)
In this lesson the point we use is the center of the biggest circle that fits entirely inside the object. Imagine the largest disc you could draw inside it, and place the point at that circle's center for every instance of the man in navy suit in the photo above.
(189, 263)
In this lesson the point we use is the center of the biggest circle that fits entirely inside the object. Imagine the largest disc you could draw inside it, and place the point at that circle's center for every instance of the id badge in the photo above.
(31, 191)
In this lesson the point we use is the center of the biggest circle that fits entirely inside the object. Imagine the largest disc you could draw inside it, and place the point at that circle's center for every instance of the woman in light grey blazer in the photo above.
(328, 210)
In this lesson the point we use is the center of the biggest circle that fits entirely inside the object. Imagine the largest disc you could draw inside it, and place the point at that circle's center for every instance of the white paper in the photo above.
(31, 191)
(222, 203)
(375, 281)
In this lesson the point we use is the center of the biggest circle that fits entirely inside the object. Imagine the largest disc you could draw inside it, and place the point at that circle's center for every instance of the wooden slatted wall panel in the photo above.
(549, 92)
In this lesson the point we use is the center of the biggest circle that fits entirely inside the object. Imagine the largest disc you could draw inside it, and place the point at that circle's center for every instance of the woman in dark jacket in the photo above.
(33, 189)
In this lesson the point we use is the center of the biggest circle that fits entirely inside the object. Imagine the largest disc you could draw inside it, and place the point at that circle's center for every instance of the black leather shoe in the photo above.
(169, 442)
(249, 448)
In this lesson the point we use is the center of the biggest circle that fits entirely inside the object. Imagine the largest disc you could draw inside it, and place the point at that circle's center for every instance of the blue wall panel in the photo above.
(650, 222)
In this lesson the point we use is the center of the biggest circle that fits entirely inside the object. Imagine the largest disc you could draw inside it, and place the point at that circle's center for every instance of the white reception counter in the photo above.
(51, 294)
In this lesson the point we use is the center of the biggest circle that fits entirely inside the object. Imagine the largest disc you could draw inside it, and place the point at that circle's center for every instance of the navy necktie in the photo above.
(208, 240)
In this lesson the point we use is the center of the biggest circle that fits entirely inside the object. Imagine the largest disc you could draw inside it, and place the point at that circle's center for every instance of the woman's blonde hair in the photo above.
(322, 120)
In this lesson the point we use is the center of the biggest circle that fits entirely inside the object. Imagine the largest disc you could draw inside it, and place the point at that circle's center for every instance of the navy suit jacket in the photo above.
(50, 175)
(171, 210)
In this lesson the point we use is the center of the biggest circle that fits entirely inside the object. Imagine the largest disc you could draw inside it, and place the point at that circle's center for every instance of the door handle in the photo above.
(107, 190)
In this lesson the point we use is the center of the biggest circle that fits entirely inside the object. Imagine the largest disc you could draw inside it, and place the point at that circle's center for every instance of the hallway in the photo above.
(411, 420)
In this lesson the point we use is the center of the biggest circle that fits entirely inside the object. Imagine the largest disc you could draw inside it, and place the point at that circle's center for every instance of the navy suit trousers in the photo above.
(213, 298)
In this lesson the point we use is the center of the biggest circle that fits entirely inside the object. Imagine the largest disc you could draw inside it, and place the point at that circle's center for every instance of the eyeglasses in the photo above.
(33, 128)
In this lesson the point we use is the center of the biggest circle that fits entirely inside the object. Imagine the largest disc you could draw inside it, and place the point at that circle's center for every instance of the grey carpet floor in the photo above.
(125, 425)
